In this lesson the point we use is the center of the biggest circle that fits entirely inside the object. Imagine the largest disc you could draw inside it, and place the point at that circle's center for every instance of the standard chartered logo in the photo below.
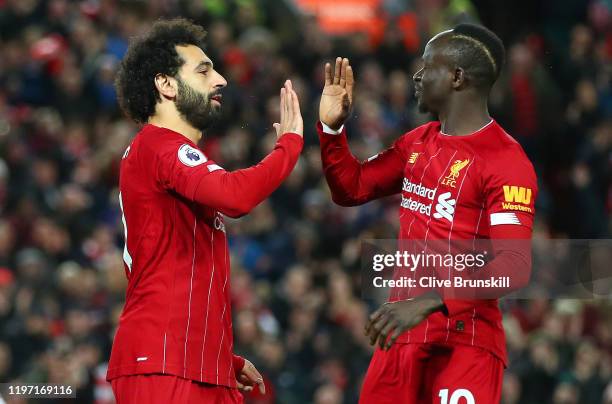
(418, 189)
(445, 208)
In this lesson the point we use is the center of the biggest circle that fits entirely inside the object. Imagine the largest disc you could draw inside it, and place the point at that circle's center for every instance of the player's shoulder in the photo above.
(500, 145)
(505, 156)
(157, 142)
(157, 138)
(425, 129)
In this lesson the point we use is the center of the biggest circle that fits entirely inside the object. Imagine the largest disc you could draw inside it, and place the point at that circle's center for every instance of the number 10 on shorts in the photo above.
(456, 396)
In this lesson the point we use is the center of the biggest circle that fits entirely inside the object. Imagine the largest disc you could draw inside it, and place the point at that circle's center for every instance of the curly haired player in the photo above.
(174, 341)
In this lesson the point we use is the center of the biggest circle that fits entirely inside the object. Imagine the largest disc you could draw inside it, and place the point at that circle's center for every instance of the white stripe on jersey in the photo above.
(473, 247)
(212, 274)
(195, 224)
(164, 360)
(222, 315)
(504, 218)
(477, 226)
(427, 231)
(414, 216)
(231, 366)
(450, 231)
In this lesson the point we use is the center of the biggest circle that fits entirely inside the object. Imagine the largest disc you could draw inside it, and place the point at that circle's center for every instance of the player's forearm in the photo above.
(512, 261)
(343, 172)
(353, 182)
(236, 193)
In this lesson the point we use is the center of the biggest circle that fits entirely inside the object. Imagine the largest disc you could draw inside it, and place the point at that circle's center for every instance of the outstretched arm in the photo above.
(236, 193)
(351, 182)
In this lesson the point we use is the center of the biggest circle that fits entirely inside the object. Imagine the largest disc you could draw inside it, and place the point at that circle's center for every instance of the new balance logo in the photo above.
(515, 194)
(445, 208)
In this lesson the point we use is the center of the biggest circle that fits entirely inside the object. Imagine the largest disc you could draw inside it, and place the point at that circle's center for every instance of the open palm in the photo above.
(337, 95)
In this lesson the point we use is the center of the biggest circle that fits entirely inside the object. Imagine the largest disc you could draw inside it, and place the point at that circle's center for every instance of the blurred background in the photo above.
(298, 313)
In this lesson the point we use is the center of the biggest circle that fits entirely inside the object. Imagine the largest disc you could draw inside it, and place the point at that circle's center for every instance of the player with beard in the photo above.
(174, 340)
(461, 177)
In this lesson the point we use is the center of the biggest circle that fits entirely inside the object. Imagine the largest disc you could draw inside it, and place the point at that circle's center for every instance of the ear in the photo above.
(166, 86)
(459, 79)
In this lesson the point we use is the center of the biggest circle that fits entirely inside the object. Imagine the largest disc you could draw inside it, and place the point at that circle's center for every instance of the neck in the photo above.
(463, 117)
(173, 121)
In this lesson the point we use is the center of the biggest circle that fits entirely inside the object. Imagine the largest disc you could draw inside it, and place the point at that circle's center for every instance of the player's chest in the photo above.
(438, 182)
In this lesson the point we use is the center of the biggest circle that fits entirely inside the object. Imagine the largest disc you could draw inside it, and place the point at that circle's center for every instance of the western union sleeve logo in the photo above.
(516, 195)
(512, 193)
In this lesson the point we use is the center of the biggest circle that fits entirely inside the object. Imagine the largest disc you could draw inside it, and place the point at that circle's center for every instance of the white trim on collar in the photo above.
(490, 122)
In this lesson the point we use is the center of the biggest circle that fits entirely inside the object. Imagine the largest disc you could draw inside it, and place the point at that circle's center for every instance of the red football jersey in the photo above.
(478, 186)
(177, 314)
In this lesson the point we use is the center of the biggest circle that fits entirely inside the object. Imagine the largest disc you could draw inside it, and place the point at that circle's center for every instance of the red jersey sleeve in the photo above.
(184, 169)
(353, 182)
(510, 190)
(238, 363)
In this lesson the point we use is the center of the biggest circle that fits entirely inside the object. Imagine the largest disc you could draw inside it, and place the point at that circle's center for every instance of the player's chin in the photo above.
(214, 108)
(205, 120)
(214, 112)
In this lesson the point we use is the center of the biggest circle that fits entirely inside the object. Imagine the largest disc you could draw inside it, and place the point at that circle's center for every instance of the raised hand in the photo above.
(290, 115)
(337, 97)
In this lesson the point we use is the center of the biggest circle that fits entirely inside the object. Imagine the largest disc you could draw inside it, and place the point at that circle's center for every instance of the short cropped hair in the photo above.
(149, 55)
(479, 52)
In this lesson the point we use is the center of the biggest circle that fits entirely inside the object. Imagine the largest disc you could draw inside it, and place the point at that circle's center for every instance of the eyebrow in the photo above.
(206, 63)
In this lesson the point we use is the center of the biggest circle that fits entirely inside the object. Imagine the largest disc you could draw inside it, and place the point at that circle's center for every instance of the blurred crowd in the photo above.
(298, 313)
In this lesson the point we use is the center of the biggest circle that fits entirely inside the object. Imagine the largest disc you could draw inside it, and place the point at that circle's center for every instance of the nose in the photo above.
(219, 81)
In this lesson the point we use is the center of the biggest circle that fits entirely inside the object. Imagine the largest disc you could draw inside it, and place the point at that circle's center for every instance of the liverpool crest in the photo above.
(455, 169)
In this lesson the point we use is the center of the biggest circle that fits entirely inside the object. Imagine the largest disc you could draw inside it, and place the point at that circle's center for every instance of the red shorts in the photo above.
(160, 388)
(433, 374)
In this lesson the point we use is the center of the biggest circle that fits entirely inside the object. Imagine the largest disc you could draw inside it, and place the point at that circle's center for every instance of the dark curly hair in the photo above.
(148, 56)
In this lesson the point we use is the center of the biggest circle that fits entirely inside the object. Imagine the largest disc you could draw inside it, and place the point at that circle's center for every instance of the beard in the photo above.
(196, 107)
